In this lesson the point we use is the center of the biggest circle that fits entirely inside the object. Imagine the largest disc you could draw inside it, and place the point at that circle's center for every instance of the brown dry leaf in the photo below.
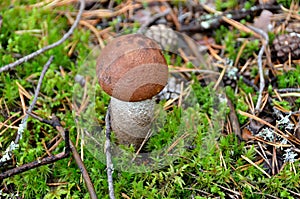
(247, 134)
(255, 126)
(142, 16)
(263, 22)
(125, 196)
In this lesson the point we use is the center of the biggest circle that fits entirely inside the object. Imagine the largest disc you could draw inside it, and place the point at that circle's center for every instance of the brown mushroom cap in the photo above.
(132, 68)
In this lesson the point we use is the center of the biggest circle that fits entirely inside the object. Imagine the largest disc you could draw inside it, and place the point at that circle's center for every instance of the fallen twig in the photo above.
(153, 19)
(234, 119)
(37, 163)
(265, 42)
(277, 131)
(14, 144)
(19, 135)
(54, 122)
(42, 50)
(109, 164)
(218, 18)
(248, 82)
(285, 90)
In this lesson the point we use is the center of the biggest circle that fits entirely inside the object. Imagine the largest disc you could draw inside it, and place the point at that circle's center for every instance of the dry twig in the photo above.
(42, 50)
(107, 149)
(54, 122)
(23, 125)
(284, 90)
(259, 62)
(37, 163)
(153, 19)
(234, 120)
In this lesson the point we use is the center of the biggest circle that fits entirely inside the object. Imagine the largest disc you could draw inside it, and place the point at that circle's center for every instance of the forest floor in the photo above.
(228, 122)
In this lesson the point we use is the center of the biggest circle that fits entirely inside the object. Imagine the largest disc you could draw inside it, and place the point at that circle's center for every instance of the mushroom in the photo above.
(132, 69)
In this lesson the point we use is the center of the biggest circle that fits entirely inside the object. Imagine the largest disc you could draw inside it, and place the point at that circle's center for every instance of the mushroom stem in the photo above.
(131, 121)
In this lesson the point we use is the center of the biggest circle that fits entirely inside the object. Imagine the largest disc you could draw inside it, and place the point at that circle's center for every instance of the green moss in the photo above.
(289, 79)
(285, 3)
(207, 161)
(239, 103)
(223, 5)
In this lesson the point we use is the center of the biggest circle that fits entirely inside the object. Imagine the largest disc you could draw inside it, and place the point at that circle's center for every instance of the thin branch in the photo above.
(248, 82)
(36, 93)
(54, 122)
(42, 50)
(217, 19)
(84, 172)
(234, 119)
(153, 19)
(286, 90)
(109, 164)
(38, 163)
(259, 63)
(14, 144)
(32, 165)
(261, 78)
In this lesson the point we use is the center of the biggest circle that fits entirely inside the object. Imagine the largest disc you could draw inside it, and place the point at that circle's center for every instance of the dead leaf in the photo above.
(263, 22)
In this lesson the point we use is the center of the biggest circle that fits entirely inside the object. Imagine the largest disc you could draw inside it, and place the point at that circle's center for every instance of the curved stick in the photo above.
(42, 50)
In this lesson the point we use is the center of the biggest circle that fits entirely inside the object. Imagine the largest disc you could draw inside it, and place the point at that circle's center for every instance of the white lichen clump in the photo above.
(289, 155)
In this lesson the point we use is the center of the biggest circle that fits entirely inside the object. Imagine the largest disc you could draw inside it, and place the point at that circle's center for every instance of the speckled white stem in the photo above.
(131, 121)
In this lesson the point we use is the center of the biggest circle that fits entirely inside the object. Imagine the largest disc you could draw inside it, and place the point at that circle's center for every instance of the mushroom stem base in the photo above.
(131, 121)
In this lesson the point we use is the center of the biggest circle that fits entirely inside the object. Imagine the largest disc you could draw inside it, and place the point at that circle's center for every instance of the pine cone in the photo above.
(293, 27)
(164, 36)
(172, 90)
(286, 44)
